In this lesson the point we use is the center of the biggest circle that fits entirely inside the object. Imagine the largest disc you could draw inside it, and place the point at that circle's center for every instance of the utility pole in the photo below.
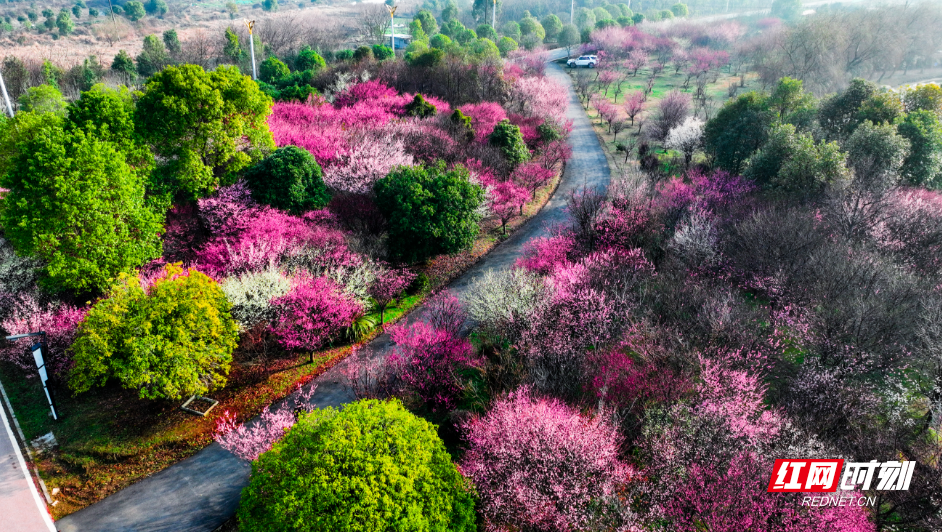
(6, 97)
(250, 24)
(572, 11)
(392, 26)
(494, 17)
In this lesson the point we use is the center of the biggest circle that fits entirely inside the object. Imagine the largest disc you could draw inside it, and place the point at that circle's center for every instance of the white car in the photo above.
(583, 60)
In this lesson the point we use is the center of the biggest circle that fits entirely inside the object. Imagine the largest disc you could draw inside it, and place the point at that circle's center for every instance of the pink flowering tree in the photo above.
(446, 313)
(532, 176)
(369, 157)
(313, 313)
(540, 465)
(249, 440)
(28, 316)
(506, 200)
(387, 286)
(428, 361)
(634, 104)
(229, 210)
(484, 116)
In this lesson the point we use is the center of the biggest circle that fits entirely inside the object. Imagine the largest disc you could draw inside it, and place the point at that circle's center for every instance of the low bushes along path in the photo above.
(202, 492)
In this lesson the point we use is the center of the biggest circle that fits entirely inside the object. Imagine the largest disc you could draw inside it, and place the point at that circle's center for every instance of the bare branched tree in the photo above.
(374, 20)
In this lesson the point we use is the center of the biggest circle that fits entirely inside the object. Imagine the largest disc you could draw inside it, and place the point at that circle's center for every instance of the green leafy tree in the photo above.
(64, 23)
(838, 114)
(552, 25)
(485, 31)
(926, 97)
(532, 26)
(923, 166)
(466, 36)
(506, 45)
(450, 12)
(371, 466)
(788, 97)
(482, 10)
(876, 153)
(420, 107)
(585, 18)
(77, 11)
(157, 8)
(153, 57)
(430, 210)
(427, 20)
(680, 10)
(637, 18)
(509, 140)
(272, 70)
(43, 99)
(88, 73)
(308, 59)
(270, 5)
(666, 14)
(602, 14)
(288, 179)
(511, 29)
(739, 129)
(92, 12)
(51, 73)
(440, 41)
(172, 43)
(110, 114)
(204, 126)
(884, 107)
(382, 52)
(793, 163)
(485, 49)
(134, 10)
(167, 341)
(76, 204)
(233, 48)
(124, 64)
(568, 37)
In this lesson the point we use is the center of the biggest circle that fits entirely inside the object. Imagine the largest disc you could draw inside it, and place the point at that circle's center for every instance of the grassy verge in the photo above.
(109, 439)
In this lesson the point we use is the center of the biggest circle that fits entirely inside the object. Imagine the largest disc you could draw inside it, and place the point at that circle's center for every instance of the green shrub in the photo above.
(308, 59)
(430, 210)
(363, 53)
(168, 341)
(134, 10)
(382, 52)
(420, 107)
(272, 69)
(463, 122)
(506, 45)
(508, 138)
(372, 466)
(289, 179)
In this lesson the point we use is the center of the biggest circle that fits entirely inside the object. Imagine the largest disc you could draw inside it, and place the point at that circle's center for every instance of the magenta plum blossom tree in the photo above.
(540, 465)
(634, 104)
(532, 176)
(428, 360)
(506, 200)
(389, 283)
(446, 313)
(484, 116)
(313, 313)
(27, 315)
(545, 255)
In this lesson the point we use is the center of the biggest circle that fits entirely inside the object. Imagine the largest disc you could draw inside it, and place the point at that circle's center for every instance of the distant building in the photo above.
(401, 40)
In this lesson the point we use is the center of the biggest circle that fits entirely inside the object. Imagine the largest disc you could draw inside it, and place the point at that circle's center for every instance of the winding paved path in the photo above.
(202, 492)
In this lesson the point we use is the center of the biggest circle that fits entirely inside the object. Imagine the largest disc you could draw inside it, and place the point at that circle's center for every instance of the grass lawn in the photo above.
(665, 82)
(108, 438)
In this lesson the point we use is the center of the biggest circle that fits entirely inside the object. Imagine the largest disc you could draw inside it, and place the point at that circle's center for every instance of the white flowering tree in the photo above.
(685, 138)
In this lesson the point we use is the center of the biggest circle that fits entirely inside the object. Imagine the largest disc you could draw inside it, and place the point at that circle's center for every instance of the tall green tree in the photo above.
(204, 126)
(134, 10)
(450, 12)
(289, 179)
(124, 64)
(64, 23)
(430, 210)
(552, 25)
(508, 138)
(793, 163)
(110, 114)
(923, 166)
(172, 43)
(272, 70)
(427, 20)
(233, 48)
(153, 57)
(75, 203)
(739, 129)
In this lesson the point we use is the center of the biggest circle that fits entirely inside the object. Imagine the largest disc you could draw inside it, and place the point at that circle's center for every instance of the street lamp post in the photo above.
(250, 24)
(572, 10)
(494, 16)
(6, 97)
(37, 351)
(392, 26)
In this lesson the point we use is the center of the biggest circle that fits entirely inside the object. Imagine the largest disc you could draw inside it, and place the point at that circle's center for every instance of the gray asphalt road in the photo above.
(201, 492)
